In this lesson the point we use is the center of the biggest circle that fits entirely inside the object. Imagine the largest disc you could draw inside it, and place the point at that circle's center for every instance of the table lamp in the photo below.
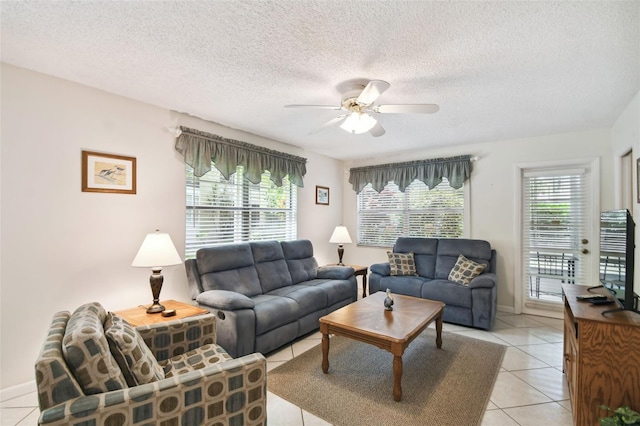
(341, 236)
(157, 250)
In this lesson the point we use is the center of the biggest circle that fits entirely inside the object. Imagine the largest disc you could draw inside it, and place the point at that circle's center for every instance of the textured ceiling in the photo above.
(498, 70)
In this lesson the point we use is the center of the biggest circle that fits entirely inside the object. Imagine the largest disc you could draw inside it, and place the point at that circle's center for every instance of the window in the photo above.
(221, 211)
(417, 212)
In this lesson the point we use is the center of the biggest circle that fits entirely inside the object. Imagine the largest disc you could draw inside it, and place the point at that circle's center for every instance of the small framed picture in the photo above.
(322, 195)
(108, 173)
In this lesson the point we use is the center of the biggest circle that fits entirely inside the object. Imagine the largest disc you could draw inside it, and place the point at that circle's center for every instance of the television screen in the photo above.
(617, 255)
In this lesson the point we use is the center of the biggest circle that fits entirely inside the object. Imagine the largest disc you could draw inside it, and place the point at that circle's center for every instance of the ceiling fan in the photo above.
(358, 104)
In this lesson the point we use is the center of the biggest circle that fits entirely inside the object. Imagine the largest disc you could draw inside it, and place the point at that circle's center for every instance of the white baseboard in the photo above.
(18, 390)
(507, 309)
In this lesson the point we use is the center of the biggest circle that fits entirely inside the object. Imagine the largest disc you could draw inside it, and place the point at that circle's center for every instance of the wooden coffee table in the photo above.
(367, 321)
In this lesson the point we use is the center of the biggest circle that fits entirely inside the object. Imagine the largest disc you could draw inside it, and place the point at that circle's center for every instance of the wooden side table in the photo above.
(359, 270)
(139, 316)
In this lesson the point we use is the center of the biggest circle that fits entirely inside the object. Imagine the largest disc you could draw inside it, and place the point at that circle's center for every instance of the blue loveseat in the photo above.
(473, 305)
(267, 293)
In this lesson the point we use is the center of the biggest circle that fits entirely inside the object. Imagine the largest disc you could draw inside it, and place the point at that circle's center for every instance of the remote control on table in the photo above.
(601, 302)
(592, 297)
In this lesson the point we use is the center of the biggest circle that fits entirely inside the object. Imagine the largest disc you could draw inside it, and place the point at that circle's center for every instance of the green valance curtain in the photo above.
(199, 149)
(455, 169)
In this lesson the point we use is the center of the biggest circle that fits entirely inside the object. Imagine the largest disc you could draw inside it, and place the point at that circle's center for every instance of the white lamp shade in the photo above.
(358, 123)
(157, 250)
(340, 235)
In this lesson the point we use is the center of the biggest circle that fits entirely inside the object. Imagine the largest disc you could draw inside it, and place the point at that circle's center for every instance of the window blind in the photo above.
(416, 212)
(222, 211)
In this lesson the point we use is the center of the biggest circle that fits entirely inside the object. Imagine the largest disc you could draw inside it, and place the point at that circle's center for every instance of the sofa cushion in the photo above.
(424, 253)
(402, 264)
(335, 290)
(299, 256)
(407, 285)
(452, 294)
(195, 359)
(308, 298)
(134, 357)
(228, 267)
(273, 311)
(465, 270)
(449, 249)
(87, 353)
(272, 269)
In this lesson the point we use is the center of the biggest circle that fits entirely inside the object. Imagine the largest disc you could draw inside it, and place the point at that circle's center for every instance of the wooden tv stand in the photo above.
(601, 356)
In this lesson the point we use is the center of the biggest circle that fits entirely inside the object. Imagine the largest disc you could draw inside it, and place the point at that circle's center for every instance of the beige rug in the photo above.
(448, 386)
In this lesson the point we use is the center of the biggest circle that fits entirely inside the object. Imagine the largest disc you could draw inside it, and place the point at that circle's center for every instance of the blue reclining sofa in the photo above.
(266, 294)
(471, 305)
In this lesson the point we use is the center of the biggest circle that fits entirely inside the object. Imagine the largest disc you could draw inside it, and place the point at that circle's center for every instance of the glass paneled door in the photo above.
(557, 232)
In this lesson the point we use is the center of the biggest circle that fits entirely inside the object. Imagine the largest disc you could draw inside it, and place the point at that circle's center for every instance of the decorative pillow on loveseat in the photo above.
(87, 353)
(465, 270)
(134, 357)
(402, 263)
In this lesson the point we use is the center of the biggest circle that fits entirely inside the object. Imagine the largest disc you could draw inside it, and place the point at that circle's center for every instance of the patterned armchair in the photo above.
(96, 369)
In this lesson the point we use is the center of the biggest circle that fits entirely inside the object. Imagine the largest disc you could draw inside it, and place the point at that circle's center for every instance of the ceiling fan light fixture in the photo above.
(358, 123)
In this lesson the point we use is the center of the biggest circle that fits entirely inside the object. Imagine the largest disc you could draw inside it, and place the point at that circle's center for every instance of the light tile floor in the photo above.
(530, 388)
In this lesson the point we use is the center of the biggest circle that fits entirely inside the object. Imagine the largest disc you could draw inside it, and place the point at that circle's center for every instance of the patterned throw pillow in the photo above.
(134, 357)
(465, 270)
(87, 353)
(402, 263)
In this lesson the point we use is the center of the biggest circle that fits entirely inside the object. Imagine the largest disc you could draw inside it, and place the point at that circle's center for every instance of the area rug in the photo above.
(448, 386)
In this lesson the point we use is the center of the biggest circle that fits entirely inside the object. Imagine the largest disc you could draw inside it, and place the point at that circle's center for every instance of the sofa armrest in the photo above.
(193, 278)
(381, 269)
(142, 404)
(487, 280)
(170, 338)
(335, 272)
(225, 300)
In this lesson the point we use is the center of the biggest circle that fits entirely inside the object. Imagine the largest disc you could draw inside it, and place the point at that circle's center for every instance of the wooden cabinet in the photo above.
(601, 356)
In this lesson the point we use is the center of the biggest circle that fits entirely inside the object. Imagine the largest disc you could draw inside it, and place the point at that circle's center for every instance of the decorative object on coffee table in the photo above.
(340, 236)
(388, 301)
(157, 251)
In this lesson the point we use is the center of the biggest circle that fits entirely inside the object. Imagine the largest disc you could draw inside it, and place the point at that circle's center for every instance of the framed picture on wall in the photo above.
(322, 195)
(108, 173)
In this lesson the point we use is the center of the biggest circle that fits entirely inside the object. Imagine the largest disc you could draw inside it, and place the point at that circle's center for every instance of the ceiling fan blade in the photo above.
(329, 123)
(407, 109)
(377, 130)
(335, 107)
(372, 91)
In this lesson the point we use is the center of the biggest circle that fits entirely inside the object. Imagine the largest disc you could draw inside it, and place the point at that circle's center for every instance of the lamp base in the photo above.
(156, 285)
(156, 308)
(340, 254)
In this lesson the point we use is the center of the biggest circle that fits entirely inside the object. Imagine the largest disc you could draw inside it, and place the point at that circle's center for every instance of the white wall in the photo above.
(61, 247)
(493, 192)
(625, 135)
